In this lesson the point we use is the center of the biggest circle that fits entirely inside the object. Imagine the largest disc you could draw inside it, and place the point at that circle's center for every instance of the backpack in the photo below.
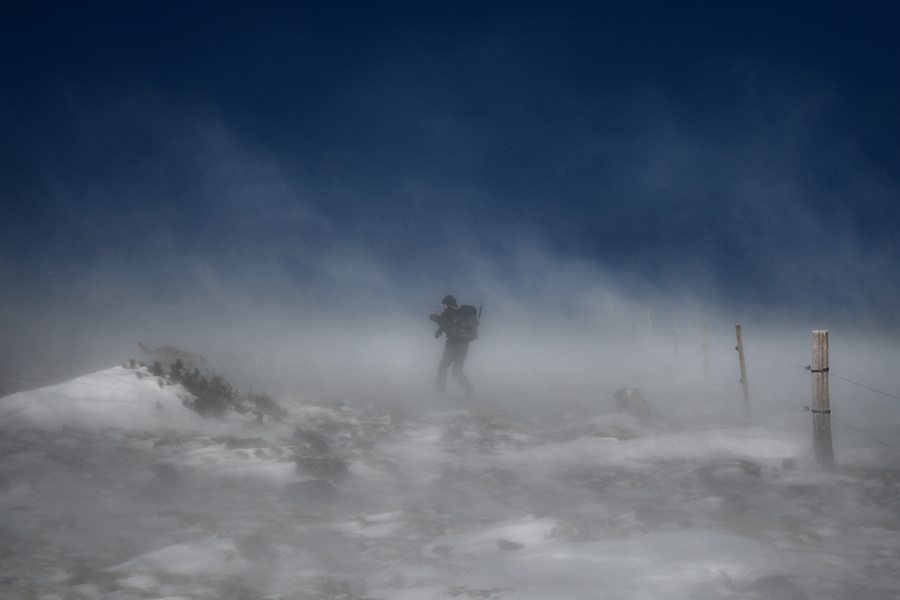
(465, 326)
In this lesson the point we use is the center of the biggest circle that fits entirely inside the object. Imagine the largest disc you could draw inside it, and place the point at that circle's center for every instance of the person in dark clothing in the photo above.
(455, 349)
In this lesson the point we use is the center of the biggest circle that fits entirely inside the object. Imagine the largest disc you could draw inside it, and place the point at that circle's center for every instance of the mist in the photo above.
(304, 259)
(158, 222)
(291, 191)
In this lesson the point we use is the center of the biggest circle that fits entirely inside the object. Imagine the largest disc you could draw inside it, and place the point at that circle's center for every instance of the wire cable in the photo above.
(866, 387)
(830, 413)
(864, 433)
(830, 372)
(784, 362)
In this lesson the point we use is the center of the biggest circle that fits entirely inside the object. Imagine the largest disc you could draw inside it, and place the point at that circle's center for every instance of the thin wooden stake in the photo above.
(821, 403)
(740, 349)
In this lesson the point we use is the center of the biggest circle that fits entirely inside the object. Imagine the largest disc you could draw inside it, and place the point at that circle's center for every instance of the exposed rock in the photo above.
(508, 545)
(316, 441)
(630, 400)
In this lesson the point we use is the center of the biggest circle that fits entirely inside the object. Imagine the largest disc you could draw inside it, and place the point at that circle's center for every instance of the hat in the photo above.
(450, 301)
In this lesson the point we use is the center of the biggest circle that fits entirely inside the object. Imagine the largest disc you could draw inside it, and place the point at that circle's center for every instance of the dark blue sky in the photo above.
(744, 154)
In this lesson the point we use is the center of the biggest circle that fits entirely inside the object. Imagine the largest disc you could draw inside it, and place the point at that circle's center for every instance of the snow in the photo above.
(114, 398)
(111, 488)
(212, 554)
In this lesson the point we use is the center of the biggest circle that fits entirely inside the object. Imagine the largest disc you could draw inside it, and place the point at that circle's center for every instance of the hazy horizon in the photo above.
(291, 192)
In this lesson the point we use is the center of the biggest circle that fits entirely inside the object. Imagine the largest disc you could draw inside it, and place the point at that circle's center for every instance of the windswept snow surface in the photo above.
(114, 398)
(110, 488)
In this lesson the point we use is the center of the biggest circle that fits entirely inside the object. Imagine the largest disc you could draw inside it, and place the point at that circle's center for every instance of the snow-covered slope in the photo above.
(115, 398)
(110, 488)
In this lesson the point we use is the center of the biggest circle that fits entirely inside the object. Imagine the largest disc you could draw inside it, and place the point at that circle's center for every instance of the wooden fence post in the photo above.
(740, 349)
(821, 409)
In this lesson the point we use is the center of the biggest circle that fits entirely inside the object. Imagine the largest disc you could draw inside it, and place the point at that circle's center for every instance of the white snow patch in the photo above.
(213, 554)
(115, 398)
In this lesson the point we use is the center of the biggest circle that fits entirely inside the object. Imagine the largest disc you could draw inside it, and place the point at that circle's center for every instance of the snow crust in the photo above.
(111, 488)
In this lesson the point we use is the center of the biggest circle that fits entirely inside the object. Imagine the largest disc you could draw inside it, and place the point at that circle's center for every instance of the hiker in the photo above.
(460, 323)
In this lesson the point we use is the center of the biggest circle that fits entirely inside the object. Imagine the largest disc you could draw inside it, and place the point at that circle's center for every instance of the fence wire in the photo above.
(833, 374)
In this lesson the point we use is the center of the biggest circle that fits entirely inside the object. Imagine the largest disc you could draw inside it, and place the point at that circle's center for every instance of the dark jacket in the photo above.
(445, 322)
